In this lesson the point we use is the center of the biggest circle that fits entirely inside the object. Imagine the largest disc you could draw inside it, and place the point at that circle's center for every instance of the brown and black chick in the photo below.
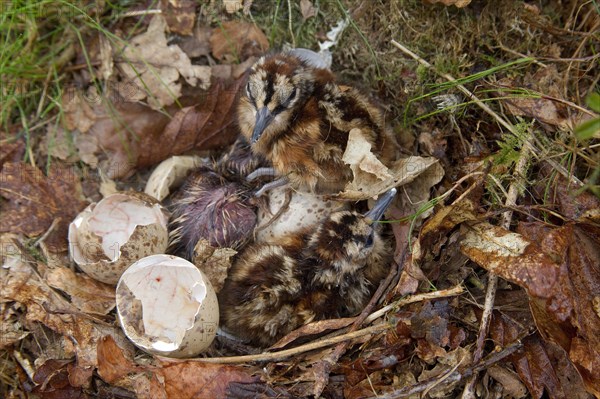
(327, 271)
(299, 118)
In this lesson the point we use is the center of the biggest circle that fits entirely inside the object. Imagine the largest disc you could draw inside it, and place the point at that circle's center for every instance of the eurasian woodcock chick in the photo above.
(216, 203)
(299, 118)
(329, 270)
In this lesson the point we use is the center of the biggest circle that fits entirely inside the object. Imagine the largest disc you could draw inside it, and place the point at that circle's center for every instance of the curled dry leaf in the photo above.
(37, 203)
(152, 67)
(372, 178)
(170, 174)
(80, 334)
(86, 294)
(214, 262)
(236, 41)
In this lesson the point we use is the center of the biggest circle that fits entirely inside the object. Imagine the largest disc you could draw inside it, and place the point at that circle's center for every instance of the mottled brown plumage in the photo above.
(298, 118)
(329, 270)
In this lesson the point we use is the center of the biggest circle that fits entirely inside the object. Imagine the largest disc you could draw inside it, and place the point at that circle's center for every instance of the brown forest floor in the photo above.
(516, 134)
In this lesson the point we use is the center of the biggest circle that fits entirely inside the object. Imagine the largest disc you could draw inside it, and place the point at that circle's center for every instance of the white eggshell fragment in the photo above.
(109, 236)
(167, 306)
(304, 210)
(170, 174)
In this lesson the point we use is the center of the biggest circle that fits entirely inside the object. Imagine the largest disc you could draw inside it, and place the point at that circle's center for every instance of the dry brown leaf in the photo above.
(372, 178)
(457, 3)
(87, 294)
(569, 317)
(80, 334)
(210, 124)
(214, 262)
(180, 15)
(546, 107)
(313, 328)
(121, 130)
(53, 380)
(196, 379)
(11, 152)
(36, 202)
(152, 68)
(235, 41)
(307, 9)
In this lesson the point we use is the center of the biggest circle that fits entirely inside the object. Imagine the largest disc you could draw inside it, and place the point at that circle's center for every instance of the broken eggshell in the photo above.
(304, 210)
(167, 306)
(109, 236)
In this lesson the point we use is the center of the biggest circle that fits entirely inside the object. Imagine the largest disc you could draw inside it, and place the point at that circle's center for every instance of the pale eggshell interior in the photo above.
(167, 306)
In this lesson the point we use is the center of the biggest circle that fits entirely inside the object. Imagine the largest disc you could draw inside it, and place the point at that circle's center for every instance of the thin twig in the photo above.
(492, 286)
(454, 376)
(323, 367)
(280, 355)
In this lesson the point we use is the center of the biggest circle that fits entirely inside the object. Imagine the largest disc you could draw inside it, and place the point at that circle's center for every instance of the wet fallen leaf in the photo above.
(37, 202)
(194, 379)
(235, 41)
(511, 256)
(569, 317)
(180, 15)
(147, 73)
(87, 294)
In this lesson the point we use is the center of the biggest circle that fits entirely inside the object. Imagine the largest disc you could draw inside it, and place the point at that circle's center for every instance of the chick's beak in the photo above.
(263, 118)
(384, 201)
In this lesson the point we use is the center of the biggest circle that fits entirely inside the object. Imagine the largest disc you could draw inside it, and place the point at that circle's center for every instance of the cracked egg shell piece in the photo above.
(108, 236)
(167, 306)
(304, 210)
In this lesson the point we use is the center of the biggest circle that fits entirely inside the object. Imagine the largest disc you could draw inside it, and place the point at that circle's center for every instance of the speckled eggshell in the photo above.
(304, 210)
(107, 264)
(167, 306)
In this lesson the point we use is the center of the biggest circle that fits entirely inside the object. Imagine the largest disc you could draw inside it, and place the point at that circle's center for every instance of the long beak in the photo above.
(263, 118)
(384, 201)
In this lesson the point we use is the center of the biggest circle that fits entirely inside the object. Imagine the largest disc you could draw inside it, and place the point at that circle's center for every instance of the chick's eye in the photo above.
(369, 242)
(293, 95)
(249, 93)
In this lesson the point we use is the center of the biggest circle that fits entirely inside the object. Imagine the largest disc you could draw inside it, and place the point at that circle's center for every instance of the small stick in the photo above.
(280, 355)
(454, 376)
(490, 295)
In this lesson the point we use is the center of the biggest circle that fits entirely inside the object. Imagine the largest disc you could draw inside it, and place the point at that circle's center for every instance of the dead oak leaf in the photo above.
(180, 15)
(87, 294)
(236, 41)
(510, 256)
(37, 201)
(152, 67)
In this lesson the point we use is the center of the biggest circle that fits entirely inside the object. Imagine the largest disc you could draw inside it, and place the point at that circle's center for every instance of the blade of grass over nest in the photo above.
(445, 86)
(362, 36)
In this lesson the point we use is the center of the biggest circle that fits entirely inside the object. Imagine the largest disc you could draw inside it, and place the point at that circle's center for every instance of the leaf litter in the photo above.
(59, 324)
